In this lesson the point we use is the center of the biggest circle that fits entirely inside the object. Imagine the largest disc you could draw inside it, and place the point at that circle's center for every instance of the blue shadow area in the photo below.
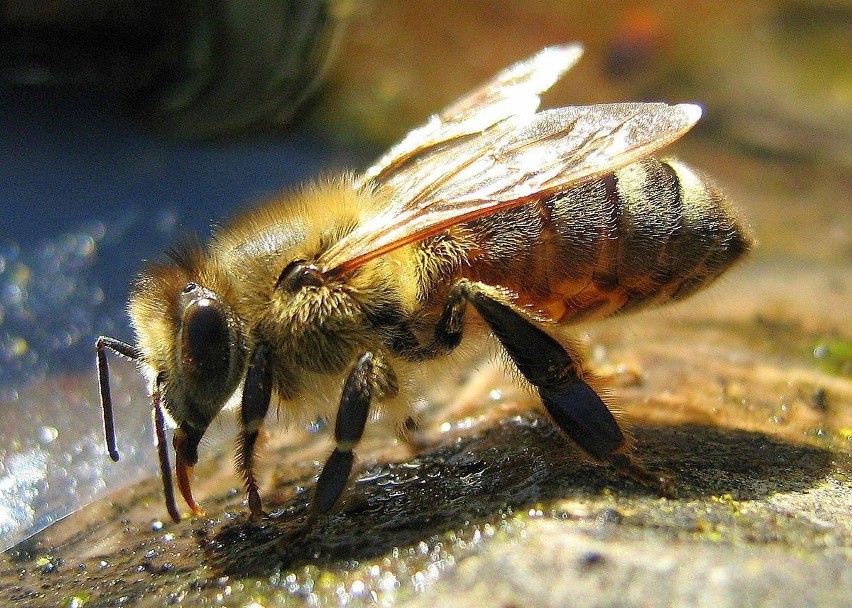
(85, 196)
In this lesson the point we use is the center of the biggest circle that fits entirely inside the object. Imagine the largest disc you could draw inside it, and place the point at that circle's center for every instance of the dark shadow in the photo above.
(518, 463)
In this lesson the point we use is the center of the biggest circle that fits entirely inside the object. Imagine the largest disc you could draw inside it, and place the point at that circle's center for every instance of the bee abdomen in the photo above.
(707, 240)
(648, 233)
(665, 233)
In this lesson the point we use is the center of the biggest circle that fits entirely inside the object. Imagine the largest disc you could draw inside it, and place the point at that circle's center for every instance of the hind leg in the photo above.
(553, 369)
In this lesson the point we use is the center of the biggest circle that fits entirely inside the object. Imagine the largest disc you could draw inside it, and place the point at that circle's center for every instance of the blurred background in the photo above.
(125, 124)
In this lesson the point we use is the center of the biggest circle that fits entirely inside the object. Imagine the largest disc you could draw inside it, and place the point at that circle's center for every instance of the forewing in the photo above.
(553, 150)
(517, 161)
(513, 92)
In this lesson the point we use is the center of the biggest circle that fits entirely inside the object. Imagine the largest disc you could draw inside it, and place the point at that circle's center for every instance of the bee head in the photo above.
(191, 339)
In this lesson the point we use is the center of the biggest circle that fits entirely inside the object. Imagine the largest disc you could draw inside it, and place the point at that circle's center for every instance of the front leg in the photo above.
(370, 378)
(257, 392)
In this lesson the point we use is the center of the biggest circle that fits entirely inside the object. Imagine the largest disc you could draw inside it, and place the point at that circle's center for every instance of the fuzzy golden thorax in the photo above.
(198, 317)
(316, 328)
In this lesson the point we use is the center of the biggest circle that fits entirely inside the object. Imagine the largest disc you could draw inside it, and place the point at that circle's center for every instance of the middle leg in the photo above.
(371, 378)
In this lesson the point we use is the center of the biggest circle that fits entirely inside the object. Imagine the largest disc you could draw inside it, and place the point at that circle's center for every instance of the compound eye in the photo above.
(207, 347)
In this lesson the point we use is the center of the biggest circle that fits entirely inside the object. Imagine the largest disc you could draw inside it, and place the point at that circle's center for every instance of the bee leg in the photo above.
(257, 392)
(125, 350)
(448, 331)
(371, 377)
(554, 370)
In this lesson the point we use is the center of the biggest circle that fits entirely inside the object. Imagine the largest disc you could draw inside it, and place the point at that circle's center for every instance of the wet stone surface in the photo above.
(403, 525)
(743, 393)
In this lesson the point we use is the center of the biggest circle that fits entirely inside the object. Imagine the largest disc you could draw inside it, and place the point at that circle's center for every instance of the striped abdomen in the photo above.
(648, 233)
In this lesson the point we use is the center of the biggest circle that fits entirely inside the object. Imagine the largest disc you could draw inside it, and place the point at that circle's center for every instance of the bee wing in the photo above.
(513, 92)
(517, 161)
(552, 150)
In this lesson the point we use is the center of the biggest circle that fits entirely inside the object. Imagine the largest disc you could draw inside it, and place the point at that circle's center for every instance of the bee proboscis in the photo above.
(531, 218)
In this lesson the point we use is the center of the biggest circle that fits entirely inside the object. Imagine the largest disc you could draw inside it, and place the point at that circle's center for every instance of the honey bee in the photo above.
(531, 218)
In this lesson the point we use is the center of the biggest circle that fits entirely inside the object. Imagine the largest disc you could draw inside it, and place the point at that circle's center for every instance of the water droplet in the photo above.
(12, 294)
(358, 588)
(47, 434)
(14, 347)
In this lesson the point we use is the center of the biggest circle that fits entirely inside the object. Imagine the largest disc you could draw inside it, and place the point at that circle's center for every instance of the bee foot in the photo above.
(255, 506)
(663, 482)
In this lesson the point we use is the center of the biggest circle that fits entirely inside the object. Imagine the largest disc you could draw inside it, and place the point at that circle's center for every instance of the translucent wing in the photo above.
(520, 158)
(513, 92)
